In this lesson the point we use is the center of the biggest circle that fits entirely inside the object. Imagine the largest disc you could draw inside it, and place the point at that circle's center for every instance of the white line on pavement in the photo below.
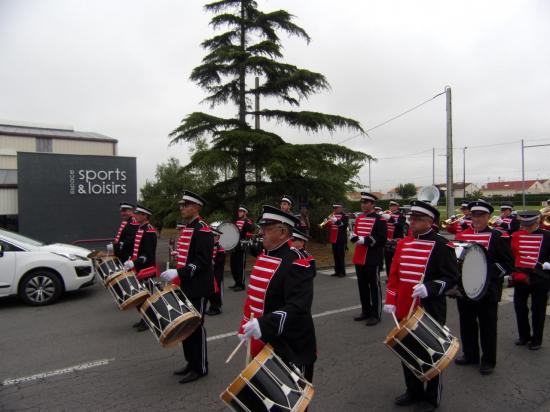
(82, 366)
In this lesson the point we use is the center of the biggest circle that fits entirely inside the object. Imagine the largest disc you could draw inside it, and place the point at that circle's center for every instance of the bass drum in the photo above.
(472, 265)
(230, 236)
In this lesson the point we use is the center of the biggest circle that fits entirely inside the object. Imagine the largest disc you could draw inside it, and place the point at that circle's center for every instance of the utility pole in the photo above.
(257, 104)
(370, 187)
(523, 147)
(433, 166)
(464, 170)
(450, 194)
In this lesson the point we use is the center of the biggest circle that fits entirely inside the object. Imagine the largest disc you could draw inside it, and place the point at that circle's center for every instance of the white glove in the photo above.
(498, 222)
(333, 220)
(128, 265)
(389, 309)
(252, 329)
(386, 216)
(420, 291)
(360, 241)
(169, 275)
(461, 221)
(110, 249)
(174, 253)
(546, 266)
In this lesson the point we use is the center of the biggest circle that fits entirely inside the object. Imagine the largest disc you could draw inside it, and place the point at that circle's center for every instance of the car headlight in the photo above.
(70, 256)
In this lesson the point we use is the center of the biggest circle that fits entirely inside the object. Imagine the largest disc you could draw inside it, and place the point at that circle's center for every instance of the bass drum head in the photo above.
(230, 235)
(474, 271)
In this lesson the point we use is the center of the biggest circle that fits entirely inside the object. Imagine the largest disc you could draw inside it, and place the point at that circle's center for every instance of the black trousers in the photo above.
(539, 299)
(339, 254)
(194, 347)
(237, 262)
(388, 258)
(478, 325)
(370, 294)
(216, 298)
(415, 387)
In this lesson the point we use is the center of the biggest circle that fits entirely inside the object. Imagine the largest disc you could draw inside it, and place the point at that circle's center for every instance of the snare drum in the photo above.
(108, 268)
(267, 384)
(230, 237)
(170, 315)
(423, 345)
(127, 291)
(472, 265)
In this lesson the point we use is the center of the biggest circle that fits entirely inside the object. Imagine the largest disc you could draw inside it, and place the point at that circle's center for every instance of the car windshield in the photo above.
(20, 238)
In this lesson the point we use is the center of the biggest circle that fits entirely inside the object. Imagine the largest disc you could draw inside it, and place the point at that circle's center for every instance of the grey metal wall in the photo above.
(63, 198)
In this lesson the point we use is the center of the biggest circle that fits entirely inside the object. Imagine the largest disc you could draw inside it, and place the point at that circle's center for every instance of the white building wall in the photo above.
(65, 146)
(8, 202)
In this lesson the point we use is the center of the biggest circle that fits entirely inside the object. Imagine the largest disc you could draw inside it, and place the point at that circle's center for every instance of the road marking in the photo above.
(317, 315)
(82, 366)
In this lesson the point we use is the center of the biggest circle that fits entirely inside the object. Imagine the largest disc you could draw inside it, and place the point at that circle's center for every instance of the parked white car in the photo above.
(40, 273)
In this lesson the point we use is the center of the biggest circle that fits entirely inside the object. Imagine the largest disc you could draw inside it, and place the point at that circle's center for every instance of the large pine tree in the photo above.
(254, 163)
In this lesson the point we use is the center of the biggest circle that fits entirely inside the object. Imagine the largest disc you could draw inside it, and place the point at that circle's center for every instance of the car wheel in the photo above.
(40, 287)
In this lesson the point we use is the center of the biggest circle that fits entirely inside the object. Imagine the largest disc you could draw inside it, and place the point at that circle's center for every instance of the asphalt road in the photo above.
(82, 354)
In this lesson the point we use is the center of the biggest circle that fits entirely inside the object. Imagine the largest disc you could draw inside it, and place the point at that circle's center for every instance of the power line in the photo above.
(391, 119)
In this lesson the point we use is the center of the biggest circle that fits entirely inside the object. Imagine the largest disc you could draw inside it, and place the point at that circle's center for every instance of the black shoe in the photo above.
(232, 286)
(405, 399)
(135, 325)
(522, 341)
(372, 321)
(213, 311)
(341, 275)
(486, 369)
(425, 407)
(361, 317)
(142, 327)
(534, 345)
(238, 288)
(182, 371)
(464, 360)
(334, 275)
(191, 376)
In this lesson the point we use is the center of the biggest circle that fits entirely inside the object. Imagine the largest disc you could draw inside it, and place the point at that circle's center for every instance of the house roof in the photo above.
(510, 185)
(31, 131)
(456, 186)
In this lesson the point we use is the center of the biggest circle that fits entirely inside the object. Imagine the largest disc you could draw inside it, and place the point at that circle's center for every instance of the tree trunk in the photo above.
(241, 158)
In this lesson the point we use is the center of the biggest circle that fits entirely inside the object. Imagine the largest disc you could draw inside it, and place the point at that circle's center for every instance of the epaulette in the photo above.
(303, 262)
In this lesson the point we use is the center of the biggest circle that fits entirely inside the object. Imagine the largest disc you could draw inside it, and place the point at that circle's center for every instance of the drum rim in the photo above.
(248, 373)
(442, 363)
(191, 316)
(134, 300)
(110, 278)
(399, 332)
(115, 276)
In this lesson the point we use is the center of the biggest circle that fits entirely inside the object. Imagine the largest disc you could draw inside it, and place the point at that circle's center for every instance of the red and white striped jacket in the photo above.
(374, 229)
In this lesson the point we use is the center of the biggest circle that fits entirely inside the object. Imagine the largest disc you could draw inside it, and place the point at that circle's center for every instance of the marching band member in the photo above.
(396, 222)
(286, 204)
(303, 217)
(143, 257)
(463, 223)
(507, 221)
(280, 294)
(338, 226)
(531, 277)
(123, 243)
(424, 268)
(478, 319)
(194, 274)
(218, 262)
(299, 241)
(237, 260)
(369, 236)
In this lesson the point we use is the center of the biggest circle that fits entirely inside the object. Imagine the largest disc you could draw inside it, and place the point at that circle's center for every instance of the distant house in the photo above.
(513, 187)
(392, 194)
(458, 189)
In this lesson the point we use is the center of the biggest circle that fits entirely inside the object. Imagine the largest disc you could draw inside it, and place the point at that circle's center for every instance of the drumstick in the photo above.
(395, 319)
(235, 350)
(412, 307)
(249, 346)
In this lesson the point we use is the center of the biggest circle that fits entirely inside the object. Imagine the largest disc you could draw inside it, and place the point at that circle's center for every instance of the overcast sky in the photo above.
(121, 68)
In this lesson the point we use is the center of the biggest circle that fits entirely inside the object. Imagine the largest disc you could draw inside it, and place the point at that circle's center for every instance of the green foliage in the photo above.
(251, 165)
(406, 190)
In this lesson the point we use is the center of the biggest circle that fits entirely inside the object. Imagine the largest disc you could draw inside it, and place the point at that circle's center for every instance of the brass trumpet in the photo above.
(450, 220)
(492, 221)
(324, 222)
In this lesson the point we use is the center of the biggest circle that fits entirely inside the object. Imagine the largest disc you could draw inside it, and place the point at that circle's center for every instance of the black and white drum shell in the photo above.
(170, 315)
(268, 384)
(472, 265)
(127, 291)
(108, 268)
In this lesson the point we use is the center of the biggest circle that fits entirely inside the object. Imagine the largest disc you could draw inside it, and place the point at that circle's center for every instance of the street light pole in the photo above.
(370, 187)
(522, 173)
(450, 194)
